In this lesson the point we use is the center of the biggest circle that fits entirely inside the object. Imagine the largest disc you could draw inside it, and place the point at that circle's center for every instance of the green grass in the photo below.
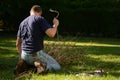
(98, 54)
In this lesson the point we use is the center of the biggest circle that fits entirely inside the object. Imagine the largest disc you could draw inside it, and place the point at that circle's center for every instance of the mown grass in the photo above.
(96, 54)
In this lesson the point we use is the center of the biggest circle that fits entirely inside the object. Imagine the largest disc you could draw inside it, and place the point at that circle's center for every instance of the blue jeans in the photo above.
(42, 57)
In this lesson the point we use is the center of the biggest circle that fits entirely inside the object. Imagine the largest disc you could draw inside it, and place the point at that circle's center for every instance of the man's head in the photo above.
(36, 10)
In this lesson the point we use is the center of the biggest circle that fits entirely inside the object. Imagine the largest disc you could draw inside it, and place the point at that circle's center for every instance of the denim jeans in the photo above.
(42, 57)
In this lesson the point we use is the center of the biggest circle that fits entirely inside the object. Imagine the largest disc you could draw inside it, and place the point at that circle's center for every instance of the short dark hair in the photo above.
(36, 8)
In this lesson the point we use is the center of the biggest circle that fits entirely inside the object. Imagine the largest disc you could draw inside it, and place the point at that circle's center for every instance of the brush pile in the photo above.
(65, 52)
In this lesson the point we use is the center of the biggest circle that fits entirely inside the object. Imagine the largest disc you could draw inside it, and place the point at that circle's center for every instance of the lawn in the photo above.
(88, 54)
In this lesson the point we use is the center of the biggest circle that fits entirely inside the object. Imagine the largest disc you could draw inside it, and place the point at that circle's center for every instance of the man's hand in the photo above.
(18, 45)
(55, 22)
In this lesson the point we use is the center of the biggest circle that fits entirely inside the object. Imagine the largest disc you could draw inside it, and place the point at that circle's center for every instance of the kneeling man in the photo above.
(30, 39)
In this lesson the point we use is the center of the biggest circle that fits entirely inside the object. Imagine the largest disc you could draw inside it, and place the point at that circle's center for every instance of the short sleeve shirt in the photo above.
(32, 32)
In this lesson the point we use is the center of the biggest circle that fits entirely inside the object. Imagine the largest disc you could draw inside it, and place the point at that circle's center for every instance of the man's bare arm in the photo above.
(18, 45)
(52, 31)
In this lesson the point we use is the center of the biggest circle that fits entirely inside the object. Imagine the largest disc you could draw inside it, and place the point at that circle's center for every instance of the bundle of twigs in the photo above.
(65, 52)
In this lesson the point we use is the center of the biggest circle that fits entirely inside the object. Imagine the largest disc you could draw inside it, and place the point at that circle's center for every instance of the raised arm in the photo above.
(52, 31)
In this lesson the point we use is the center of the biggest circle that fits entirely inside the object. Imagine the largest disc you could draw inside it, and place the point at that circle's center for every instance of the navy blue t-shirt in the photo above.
(32, 32)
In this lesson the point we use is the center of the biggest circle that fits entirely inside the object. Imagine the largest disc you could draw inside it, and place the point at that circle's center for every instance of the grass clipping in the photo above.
(65, 52)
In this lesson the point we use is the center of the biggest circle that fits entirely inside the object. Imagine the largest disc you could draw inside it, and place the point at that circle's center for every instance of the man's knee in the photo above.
(57, 67)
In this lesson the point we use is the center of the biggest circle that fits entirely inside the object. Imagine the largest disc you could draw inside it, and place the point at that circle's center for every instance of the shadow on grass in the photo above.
(111, 67)
(6, 68)
(7, 44)
(103, 50)
(7, 53)
(8, 60)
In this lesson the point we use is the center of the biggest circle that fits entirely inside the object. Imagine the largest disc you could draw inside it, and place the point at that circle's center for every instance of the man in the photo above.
(30, 39)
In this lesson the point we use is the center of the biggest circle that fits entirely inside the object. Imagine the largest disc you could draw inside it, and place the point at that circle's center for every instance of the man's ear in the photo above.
(40, 13)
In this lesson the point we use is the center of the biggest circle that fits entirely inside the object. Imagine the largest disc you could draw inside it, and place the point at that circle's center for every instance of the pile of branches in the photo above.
(65, 52)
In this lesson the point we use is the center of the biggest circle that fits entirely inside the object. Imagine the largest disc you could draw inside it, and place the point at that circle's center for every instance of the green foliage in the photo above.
(87, 17)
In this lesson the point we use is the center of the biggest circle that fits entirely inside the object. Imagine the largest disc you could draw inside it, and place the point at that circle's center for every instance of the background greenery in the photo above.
(99, 18)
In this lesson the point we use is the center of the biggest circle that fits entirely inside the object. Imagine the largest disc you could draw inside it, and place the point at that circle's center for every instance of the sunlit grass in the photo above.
(83, 43)
(70, 77)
